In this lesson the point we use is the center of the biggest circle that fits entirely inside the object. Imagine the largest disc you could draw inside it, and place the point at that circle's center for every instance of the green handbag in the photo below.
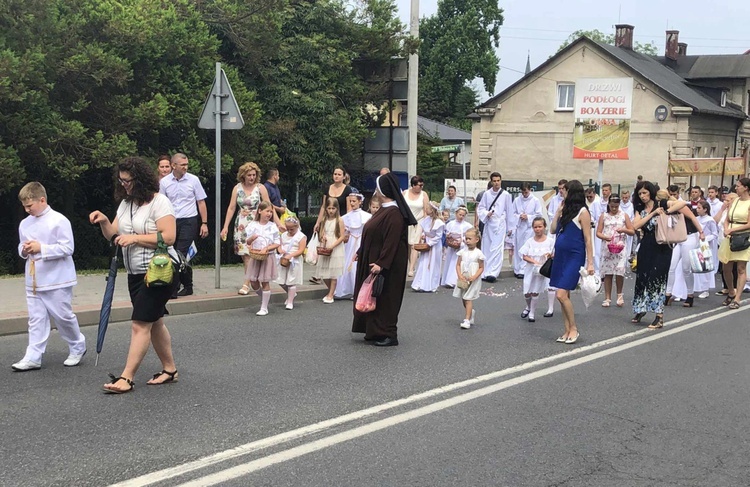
(160, 270)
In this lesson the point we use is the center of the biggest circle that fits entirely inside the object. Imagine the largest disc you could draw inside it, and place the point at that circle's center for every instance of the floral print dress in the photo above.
(247, 206)
(613, 264)
(652, 271)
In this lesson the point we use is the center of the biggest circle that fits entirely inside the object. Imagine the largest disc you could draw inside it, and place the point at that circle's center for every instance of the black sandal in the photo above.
(728, 300)
(688, 302)
(638, 317)
(657, 323)
(172, 378)
(114, 380)
(734, 305)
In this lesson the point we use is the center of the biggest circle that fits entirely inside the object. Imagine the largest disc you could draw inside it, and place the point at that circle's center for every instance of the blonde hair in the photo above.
(476, 233)
(246, 168)
(32, 191)
(663, 194)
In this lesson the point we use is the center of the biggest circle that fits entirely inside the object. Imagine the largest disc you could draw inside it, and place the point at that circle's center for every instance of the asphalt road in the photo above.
(295, 399)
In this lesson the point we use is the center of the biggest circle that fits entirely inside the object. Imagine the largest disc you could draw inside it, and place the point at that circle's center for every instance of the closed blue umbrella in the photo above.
(109, 293)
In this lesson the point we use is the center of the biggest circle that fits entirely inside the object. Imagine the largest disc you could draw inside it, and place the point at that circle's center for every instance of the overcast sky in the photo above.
(540, 26)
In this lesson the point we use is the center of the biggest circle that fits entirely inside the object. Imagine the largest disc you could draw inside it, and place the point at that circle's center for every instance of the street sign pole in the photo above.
(217, 197)
(463, 163)
(601, 175)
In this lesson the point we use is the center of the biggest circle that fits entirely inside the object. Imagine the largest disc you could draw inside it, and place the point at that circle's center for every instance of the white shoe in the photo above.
(465, 324)
(25, 365)
(289, 305)
(74, 359)
(473, 313)
(327, 301)
(262, 312)
(703, 295)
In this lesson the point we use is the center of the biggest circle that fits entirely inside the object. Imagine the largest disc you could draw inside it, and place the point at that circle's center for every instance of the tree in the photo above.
(457, 46)
(595, 35)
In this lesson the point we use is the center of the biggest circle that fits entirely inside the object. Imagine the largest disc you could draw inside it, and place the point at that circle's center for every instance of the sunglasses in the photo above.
(125, 181)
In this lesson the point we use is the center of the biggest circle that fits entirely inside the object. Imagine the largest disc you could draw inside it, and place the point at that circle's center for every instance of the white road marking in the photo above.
(248, 448)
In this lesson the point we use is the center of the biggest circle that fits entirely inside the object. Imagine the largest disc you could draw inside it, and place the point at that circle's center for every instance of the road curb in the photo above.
(89, 316)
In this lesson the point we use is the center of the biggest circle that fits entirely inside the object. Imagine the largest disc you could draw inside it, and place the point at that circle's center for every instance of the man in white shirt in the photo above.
(626, 205)
(556, 201)
(713, 200)
(595, 208)
(496, 211)
(188, 197)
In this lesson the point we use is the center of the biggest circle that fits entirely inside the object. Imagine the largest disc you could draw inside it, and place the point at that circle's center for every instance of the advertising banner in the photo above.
(602, 118)
(735, 166)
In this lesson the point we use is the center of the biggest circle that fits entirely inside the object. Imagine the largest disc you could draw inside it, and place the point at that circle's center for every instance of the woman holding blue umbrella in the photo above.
(142, 213)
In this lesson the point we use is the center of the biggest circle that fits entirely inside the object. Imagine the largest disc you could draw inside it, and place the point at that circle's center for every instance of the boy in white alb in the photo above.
(46, 242)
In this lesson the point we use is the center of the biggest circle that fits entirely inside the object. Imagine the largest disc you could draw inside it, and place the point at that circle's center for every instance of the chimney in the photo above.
(670, 51)
(624, 36)
(681, 49)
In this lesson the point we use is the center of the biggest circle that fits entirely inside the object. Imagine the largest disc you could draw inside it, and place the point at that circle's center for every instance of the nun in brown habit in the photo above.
(384, 250)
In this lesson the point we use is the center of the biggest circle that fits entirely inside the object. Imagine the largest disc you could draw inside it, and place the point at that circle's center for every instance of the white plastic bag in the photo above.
(312, 250)
(590, 286)
(701, 259)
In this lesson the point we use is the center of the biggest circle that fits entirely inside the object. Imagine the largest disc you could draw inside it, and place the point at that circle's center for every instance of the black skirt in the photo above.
(149, 303)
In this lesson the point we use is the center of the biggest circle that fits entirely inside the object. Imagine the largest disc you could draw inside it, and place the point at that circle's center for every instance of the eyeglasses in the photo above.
(421, 185)
(125, 181)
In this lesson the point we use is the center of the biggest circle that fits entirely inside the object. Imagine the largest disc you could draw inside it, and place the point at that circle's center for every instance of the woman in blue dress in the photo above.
(573, 249)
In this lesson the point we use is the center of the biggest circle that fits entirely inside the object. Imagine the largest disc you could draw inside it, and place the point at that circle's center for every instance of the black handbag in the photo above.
(546, 268)
(739, 241)
(377, 285)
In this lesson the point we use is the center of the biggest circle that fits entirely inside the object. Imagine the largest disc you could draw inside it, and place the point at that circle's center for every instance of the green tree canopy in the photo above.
(598, 36)
(457, 46)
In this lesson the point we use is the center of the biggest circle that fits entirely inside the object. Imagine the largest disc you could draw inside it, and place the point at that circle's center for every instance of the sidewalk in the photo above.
(87, 297)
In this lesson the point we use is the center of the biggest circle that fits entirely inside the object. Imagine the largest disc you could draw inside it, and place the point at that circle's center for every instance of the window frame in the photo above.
(570, 86)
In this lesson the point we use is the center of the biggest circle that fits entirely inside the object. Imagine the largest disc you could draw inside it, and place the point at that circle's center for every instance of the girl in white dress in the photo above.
(293, 243)
(330, 267)
(354, 221)
(427, 276)
(469, 268)
(454, 230)
(262, 236)
(703, 282)
(535, 252)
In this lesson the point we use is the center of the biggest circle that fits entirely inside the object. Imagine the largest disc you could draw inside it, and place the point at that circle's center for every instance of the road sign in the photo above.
(231, 118)
(447, 148)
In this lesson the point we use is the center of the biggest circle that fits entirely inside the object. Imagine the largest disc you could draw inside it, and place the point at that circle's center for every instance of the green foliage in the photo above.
(457, 46)
(598, 36)
(431, 166)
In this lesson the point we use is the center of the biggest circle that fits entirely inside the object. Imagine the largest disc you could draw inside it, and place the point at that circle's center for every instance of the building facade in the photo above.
(526, 132)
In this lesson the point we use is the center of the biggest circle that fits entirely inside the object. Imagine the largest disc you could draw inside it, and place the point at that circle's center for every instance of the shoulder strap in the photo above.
(496, 197)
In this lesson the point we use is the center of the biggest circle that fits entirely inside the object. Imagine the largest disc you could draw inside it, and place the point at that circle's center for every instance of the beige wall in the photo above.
(527, 138)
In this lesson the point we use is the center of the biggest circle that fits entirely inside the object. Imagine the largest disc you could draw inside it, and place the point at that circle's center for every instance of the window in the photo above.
(566, 93)
(723, 98)
(748, 102)
(712, 152)
(697, 151)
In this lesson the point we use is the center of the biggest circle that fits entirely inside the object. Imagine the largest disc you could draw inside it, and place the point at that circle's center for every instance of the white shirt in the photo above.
(140, 220)
(554, 204)
(54, 267)
(503, 209)
(715, 206)
(184, 193)
(268, 234)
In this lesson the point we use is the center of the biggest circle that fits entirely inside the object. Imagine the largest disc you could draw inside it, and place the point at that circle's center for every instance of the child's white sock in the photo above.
(550, 301)
(528, 302)
(292, 293)
(265, 297)
(532, 306)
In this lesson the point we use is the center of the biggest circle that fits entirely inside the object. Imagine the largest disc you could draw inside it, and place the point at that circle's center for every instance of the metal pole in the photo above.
(217, 237)
(463, 163)
(723, 166)
(412, 94)
(601, 175)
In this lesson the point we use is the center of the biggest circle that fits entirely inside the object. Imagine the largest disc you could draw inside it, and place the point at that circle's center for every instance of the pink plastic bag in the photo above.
(365, 301)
